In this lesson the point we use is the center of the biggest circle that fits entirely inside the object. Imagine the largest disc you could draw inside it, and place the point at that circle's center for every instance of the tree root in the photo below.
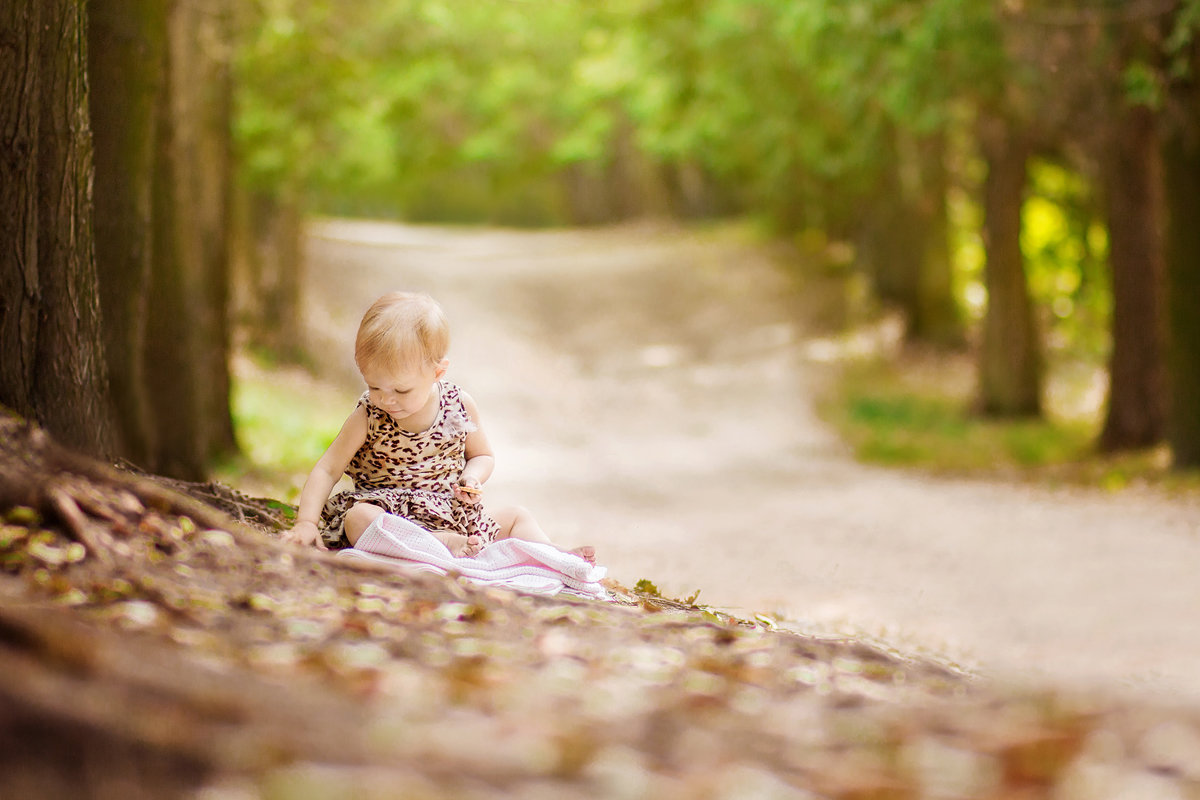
(39, 474)
(90, 536)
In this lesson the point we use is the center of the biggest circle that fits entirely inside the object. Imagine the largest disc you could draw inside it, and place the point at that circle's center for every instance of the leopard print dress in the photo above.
(411, 474)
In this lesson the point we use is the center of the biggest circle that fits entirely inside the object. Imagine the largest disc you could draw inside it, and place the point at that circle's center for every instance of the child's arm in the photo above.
(324, 477)
(480, 459)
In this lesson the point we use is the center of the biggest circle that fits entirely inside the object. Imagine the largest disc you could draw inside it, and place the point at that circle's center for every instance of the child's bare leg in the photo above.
(361, 515)
(358, 519)
(516, 522)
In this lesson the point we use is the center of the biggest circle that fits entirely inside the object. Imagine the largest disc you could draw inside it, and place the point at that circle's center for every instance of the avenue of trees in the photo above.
(1030, 168)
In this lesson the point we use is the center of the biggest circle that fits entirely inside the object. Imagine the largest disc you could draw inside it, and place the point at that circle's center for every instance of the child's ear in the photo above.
(442, 366)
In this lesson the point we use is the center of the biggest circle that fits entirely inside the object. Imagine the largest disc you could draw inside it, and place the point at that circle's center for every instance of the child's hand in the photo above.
(469, 491)
(304, 533)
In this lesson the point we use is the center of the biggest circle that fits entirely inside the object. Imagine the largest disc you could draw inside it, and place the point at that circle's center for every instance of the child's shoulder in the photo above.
(367, 410)
(453, 394)
(451, 390)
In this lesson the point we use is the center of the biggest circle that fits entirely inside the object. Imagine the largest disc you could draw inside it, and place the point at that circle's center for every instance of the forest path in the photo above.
(649, 392)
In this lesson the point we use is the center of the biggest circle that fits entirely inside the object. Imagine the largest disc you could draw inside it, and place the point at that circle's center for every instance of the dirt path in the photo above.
(649, 393)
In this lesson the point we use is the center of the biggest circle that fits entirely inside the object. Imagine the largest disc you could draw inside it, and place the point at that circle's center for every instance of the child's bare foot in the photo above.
(587, 553)
(471, 547)
(460, 546)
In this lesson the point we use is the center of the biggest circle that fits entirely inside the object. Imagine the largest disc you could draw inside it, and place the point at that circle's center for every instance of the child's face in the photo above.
(402, 393)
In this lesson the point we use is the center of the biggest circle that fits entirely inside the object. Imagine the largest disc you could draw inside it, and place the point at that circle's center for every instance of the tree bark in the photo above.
(1181, 155)
(20, 104)
(203, 118)
(53, 363)
(1132, 176)
(906, 242)
(887, 240)
(273, 264)
(165, 175)
(586, 190)
(635, 186)
(1010, 359)
(936, 320)
(172, 364)
(691, 193)
(127, 46)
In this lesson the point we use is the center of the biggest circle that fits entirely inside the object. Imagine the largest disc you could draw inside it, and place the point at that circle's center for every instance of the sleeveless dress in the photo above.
(411, 474)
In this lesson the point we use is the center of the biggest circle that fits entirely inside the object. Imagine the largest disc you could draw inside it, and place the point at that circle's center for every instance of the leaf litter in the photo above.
(182, 647)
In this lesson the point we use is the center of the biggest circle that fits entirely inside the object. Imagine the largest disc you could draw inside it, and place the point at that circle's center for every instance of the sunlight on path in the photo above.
(649, 393)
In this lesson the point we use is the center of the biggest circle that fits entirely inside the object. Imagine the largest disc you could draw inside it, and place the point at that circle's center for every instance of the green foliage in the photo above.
(1143, 85)
(451, 110)
(296, 81)
(404, 107)
(790, 101)
(1182, 36)
(1066, 250)
(646, 586)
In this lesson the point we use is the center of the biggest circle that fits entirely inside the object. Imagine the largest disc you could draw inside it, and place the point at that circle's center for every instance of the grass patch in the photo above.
(916, 412)
(889, 423)
(284, 419)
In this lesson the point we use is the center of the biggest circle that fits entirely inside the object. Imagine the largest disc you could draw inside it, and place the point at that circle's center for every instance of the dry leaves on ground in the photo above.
(152, 646)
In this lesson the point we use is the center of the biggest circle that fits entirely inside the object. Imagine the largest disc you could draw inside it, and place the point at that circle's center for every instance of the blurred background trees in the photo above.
(995, 167)
(1021, 177)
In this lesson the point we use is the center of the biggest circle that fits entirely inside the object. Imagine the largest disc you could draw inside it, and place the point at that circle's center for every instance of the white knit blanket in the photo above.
(513, 563)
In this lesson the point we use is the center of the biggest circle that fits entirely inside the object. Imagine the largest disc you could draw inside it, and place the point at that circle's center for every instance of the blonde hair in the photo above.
(402, 330)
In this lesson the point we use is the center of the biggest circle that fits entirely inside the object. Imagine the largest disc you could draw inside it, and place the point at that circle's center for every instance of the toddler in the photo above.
(413, 445)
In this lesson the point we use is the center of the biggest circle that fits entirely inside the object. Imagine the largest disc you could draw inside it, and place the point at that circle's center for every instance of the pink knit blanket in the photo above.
(513, 563)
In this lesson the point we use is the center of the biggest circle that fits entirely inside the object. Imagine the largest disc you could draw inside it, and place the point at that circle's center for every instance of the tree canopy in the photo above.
(437, 109)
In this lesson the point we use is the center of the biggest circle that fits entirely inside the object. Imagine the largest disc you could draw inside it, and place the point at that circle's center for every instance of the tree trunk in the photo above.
(172, 365)
(127, 46)
(906, 241)
(1137, 395)
(635, 186)
(53, 361)
(20, 106)
(165, 176)
(887, 241)
(936, 319)
(690, 191)
(586, 194)
(203, 93)
(1010, 360)
(272, 263)
(1181, 155)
